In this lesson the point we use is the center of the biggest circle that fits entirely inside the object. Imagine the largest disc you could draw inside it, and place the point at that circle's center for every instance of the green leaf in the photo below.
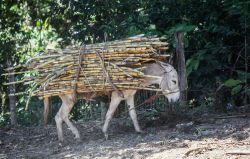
(182, 28)
(192, 64)
(232, 83)
(236, 90)
(243, 75)
(38, 23)
(14, 8)
(196, 64)
(46, 23)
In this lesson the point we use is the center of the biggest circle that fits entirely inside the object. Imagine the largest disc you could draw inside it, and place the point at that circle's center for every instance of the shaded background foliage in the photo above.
(216, 45)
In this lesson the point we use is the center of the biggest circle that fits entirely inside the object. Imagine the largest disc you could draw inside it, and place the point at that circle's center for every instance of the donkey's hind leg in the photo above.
(63, 115)
(46, 110)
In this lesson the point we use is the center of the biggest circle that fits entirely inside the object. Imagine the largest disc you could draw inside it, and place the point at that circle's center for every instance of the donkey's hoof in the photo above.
(141, 132)
(106, 136)
(78, 139)
(77, 136)
(60, 139)
(62, 143)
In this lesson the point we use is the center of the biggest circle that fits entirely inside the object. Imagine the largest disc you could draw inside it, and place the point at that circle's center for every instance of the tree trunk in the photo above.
(2, 102)
(181, 66)
(12, 99)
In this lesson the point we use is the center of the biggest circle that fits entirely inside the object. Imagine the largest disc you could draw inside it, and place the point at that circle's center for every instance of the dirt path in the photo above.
(218, 138)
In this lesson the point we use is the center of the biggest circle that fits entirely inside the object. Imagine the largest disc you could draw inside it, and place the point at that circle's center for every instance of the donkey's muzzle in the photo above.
(172, 96)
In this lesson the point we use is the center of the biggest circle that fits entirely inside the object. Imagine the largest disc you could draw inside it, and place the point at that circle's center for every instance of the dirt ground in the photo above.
(210, 137)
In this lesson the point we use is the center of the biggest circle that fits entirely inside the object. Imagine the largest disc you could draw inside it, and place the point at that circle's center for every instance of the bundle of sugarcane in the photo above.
(101, 67)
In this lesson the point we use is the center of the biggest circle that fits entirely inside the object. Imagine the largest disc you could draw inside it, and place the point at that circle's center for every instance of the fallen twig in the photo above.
(238, 153)
(197, 150)
(231, 116)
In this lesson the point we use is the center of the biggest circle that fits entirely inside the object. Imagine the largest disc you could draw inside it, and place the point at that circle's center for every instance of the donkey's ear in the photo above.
(164, 83)
(169, 68)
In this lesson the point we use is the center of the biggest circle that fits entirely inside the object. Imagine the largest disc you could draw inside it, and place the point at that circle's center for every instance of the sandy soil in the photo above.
(211, 137)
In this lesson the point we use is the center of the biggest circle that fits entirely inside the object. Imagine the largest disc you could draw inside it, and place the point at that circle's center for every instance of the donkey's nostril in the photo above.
(174, 81)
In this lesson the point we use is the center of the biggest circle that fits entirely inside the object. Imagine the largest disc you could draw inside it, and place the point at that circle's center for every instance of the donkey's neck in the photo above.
(153, 69)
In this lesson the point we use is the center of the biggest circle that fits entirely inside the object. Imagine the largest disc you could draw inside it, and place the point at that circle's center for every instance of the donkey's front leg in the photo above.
(59, 122)
(115, 100)
(131, 109)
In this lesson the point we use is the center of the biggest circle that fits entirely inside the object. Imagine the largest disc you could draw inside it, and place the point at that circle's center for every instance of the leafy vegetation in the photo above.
(216, 42)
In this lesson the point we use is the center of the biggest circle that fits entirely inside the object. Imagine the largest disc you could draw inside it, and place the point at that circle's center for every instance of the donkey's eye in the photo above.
(174, 81)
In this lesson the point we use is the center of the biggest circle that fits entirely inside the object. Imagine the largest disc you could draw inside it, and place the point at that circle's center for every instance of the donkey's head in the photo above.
(169, 83)
(167, 79)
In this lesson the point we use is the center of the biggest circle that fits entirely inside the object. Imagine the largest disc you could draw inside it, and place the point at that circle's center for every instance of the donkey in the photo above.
(163, 74)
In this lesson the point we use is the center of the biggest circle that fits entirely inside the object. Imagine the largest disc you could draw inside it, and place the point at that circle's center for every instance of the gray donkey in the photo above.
(163, 74)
